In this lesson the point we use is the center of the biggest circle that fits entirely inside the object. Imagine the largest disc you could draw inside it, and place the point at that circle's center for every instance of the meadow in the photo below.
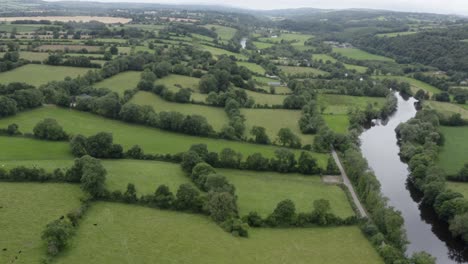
(214, 115)
(19, 148)
(120, 82)
(262, 45)
(252, 67)
(357, 54)
(262, 191)
(325, 58)
(118, 233)
(461, 187)
(152, 140)
(225, 33)
(31, 56)
(415, 84)
(396, 34)
(337, 104)
(25, 210)
(266, 98)
(217, 51)
(172, 82)
(292, 70)
(454, 152)
(40, 74)
(292, 37)
(447, 109)
(337, 123)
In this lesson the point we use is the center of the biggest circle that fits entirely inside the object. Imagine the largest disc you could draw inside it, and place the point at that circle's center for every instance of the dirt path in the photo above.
(348, 184)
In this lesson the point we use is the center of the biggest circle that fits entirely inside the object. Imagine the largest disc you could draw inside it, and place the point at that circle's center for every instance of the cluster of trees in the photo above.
(188, 29)
(462, 175)
(236, 127)
(11, 59)
(49, 129)
(420, 140)
(100, 145)
(16, 97)
(147, 84)
(285, 215)
(75, 61)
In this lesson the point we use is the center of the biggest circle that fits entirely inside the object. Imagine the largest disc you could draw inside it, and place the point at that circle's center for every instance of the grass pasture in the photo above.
(261, 192)
(273, 120)
(252, 67)
(337, 104)
(26, 208)
(262, 45)
(118, 233)
(225, 33)
(357, 54)
(215, 115)
(31, 56)
(19, 148)
(447, 109)
(152, 140)
(40, 74)
(415, 84)
(292, 70)
(266, 98)
(454, 152)
(120, 82)
(461, 187)
(396, 34)
(337, 123)
(325, 58)
(217, 51)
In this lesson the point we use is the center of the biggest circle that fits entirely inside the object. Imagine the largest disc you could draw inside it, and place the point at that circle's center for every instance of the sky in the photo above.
(431, 6)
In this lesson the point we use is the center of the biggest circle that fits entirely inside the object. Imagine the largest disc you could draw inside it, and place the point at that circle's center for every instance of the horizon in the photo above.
(449, 7)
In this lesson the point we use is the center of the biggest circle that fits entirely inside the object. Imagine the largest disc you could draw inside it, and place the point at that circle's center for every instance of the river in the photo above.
(425, 232)
(243, 42)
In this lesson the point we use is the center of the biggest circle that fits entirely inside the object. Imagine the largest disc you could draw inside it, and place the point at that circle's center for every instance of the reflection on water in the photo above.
(425, 232)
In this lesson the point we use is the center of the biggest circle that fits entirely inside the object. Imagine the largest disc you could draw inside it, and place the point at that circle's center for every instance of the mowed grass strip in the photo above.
(119, 233)
(273, 120)
(454, 152)
(337, 104)
(292, 70)
(215, 115)
(120, 82)
(152, 140)
(357, 54)
(36, 74)
(26, 208)
(262, 191)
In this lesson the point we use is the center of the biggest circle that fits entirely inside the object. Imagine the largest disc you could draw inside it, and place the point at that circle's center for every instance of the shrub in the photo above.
(49, 129)
(56, 235)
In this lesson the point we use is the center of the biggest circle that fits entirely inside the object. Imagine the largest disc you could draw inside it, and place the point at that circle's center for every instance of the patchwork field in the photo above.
(262, 45)
(103, 19)
(292, 37)
(152, 140)
(292, 70)
(31, 56)
(447, 108)
(357, 54)
(120, 82)
(396, 34)
(217, 51)
(454, 152)
(266, 98)
(337, 104)
(415, 84)
(117, 233)
(40, 74)
(325, 58)
(225, 33)
(215, 115)
(261, 192)
(18, 148)
(25, 210)
(253, 67)
(273, 120)
(45, 48)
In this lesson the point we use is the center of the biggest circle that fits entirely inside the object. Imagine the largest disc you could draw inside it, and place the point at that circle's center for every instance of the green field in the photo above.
(262, 45)
(340, 104)
(21, 27)
(217, 51)
(454, 152)
(253, 67)
(261, 192)
(152, 140)
(18, 148)
(447, 109)
(273, 120)
(266, 98)
(215, 115)
(40, 74)
(172, 82)
(396, 34)
(292, 70)
(357, 54)
(225, 33)
(461, 187)
(120, 82)
(296, 38)
(25, 210)
(118, 233)
(337, 123)
(326, 57)
(415, 84)
(31, 56)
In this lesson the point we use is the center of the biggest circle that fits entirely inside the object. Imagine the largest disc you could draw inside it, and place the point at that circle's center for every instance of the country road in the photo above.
(348, 184)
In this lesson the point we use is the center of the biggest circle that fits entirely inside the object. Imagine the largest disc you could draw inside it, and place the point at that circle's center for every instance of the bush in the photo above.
(236, 227)
(283, 215)
(188, 198)
(56, 235)
(49, 129)
(221, 206)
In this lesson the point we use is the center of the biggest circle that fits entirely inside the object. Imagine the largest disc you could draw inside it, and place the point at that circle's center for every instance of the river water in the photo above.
(243, 42)
(425, 232)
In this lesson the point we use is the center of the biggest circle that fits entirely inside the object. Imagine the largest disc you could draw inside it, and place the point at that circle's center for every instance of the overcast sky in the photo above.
(431, 6)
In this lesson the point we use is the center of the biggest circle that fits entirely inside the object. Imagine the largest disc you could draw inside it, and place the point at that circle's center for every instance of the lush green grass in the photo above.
(253, 67)
(266, 98)
(396, 34)
(19, 148)
(35, 74)
(111, 40)
(273, 120)
(119, 233)
(149, 27)
(146, 175)
(296, 38)
(173, 81)
(415, 84)
(340, 104)
(217, 51)
(461, 187)
(262, 45)
(326, 57)
(120, 82)
(337, 123)
(447, 109)
(21, 27)
(31, 56)
(152, 140)
(454, 153)
(215, 115)
(25, 209)
(301, 70)
(357, 54)
(225, 33)
(261, 192)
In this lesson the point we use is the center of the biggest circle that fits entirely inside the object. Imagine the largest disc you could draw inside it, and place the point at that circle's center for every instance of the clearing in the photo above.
(40, 74)
(454, 152)
(120, 82)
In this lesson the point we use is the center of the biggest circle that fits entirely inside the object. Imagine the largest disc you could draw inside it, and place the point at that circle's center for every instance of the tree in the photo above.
(183, 95)
(49, 129)
(283, 214)
(218, 183)
(163, 197)
(12, 129)
(7, 106)
(101, 146)
(200, 171)
(229, 158)
(131, 113)
(78, 145)
(284, 160)
(162, 69)
(56, 235)
(307, 164)
(459, 226)
(221, 206)
(257, 162)
(189, 160)
(188, 198)
(287, 138)
(114, 50)
(130, 194)
(321, 210)
(208, 84)
(135, 152)
(93, 176)
(260, 135)
(422, 258)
